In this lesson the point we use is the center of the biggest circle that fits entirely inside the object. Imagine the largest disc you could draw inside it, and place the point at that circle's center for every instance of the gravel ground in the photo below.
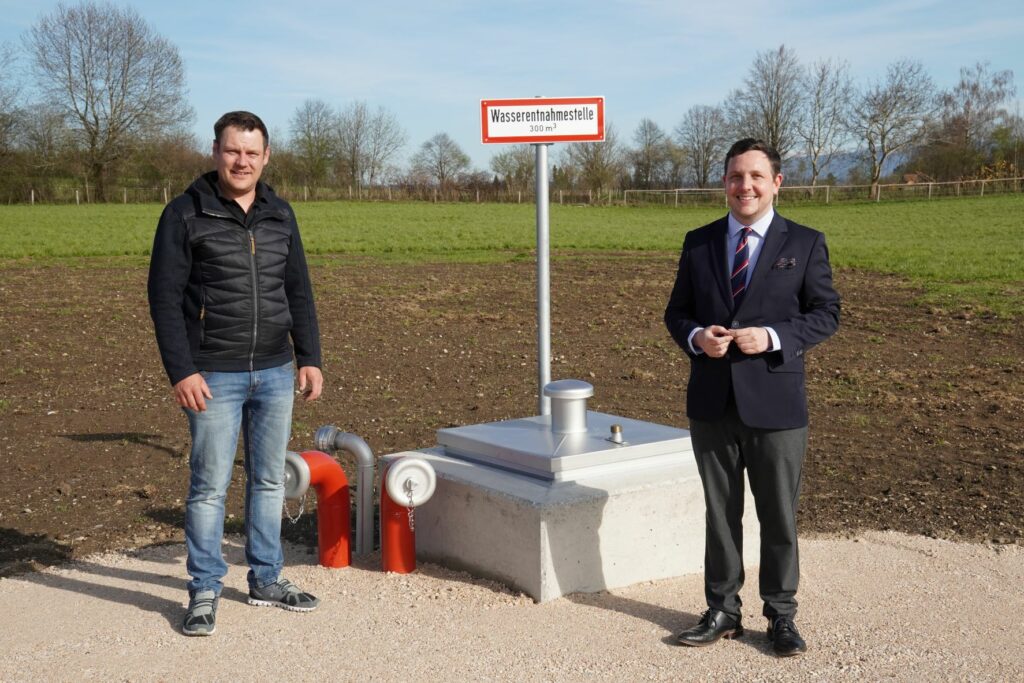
(882, 606)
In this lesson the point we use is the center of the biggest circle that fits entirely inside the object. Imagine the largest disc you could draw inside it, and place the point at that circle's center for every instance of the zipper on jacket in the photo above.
(202, 315)
(255, 298)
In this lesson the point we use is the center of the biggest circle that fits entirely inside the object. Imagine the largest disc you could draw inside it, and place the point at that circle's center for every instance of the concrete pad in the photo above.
(551, 538)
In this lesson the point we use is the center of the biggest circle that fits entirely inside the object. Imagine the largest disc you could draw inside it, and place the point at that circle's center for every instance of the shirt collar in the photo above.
(259, 198)
(760, 226)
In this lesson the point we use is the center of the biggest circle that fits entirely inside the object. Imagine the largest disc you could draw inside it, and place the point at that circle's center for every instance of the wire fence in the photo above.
(80, 193)
(828, 194)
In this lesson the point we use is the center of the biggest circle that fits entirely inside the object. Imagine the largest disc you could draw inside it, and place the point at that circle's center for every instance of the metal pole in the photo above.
(543, 282)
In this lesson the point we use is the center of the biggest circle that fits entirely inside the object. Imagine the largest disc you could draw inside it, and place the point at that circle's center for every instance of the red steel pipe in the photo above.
(397, 540)
(333, 528)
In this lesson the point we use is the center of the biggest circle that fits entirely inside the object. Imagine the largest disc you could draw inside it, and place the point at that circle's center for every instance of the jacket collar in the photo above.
(204, 191)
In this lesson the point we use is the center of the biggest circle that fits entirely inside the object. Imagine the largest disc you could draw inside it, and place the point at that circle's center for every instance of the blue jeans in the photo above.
(260, 404)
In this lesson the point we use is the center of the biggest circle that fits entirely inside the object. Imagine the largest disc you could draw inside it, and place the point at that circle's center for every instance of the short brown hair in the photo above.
(754, 145)
(243, 120)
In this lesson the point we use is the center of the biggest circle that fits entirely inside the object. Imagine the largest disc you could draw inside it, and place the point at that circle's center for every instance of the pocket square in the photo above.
(784, 264)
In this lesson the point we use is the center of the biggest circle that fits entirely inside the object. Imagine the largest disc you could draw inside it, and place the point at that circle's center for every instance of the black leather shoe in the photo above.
(786, 640)
(713, 626)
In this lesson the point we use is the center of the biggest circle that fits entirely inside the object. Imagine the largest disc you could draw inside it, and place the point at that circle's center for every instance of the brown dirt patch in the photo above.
(915, 412)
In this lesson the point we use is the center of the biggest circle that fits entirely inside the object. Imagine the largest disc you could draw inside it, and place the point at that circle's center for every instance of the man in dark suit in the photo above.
(752, 295)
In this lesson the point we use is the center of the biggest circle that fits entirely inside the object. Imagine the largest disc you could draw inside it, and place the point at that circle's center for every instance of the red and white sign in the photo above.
(543, 119)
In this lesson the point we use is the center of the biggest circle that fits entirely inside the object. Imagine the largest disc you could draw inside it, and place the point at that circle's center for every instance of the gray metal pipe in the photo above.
(543, 281)
(330, 439)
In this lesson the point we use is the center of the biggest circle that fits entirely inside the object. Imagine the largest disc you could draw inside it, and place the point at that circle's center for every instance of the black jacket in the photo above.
(225, 294)
(790, 291)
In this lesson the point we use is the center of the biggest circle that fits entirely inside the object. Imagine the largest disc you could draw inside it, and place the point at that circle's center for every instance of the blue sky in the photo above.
(430, 63)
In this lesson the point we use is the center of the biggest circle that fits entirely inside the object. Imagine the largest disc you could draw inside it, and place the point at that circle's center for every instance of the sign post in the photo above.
(541, 121)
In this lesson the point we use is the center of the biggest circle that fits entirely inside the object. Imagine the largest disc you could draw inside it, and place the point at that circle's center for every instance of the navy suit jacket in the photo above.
(790, 291)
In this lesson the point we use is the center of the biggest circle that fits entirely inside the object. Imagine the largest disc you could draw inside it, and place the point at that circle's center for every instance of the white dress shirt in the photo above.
(759, 230)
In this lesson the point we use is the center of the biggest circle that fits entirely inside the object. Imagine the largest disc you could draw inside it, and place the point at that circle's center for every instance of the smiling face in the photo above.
(241, 156)
(750, 186)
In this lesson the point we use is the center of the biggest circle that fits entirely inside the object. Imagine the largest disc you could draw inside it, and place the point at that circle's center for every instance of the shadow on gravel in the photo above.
(150, 440)
(171, 516)
(170, 610)
(668, 619)
(20, 552)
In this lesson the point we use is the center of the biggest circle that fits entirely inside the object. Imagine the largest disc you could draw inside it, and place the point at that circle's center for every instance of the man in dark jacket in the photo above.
(753, 294)
(228, 286)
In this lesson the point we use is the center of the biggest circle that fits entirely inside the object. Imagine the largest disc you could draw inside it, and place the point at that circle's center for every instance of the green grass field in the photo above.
(961, 250)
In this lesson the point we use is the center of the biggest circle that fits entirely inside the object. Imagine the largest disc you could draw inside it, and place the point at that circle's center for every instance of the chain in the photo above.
(302, 508)
(408, 486)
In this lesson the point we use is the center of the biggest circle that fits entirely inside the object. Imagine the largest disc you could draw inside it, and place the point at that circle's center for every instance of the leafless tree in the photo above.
(892, 115)
(701, 134)
(9, 94)
(769, 104)
(597, 165)
(112, 74)
(973, 127)
(352, 134)
(517, 165)
(822, 130)
(314, 139)
(976, 104)
(441, 159)
(386, 139)
(367, 142)
(44, 138)
(651, 158)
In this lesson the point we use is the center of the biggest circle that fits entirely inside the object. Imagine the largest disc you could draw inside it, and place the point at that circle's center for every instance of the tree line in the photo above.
(108, 108)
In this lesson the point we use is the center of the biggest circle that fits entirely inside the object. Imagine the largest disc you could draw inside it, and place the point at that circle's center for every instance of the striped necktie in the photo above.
(740, 263)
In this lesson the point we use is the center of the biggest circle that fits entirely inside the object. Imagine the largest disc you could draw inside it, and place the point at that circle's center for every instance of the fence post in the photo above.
(878, 193)
(826, 193)
(165, 194)
(982, 188)
(590, 196)
(33, 197)
(519, 197)
(930, 190)
(559, 196)
(77, 202)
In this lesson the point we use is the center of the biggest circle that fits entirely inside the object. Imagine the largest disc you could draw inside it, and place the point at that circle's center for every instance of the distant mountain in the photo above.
(797, 168)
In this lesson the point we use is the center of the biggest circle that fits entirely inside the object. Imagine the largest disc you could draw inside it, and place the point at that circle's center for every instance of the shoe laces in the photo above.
(780, 624)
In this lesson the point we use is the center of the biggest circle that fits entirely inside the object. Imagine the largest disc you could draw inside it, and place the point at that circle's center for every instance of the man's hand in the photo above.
(751, 340)
(713, 340)
(311, 382)
(192, 393)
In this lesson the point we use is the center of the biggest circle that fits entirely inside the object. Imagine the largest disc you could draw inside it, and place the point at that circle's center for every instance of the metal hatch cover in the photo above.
(528, 445)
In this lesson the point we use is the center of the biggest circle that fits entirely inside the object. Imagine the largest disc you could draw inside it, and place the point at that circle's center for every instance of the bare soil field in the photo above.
(915, 411)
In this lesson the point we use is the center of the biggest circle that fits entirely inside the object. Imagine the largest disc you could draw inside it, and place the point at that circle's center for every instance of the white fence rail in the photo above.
(69, 193)
(827, 194)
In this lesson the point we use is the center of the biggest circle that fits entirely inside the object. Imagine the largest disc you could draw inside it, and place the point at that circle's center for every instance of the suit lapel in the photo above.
(720, 247)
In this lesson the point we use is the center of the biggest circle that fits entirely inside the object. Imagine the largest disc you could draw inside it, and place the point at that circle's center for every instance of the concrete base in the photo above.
(551, 538)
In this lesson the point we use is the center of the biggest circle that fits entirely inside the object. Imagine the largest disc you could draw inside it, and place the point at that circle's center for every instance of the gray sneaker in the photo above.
(283, 594)
(201, 617)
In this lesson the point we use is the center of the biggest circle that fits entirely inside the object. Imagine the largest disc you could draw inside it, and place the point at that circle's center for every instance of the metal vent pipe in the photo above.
(330, 439)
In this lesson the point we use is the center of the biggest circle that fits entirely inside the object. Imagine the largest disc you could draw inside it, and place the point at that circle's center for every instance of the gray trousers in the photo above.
(774, 461)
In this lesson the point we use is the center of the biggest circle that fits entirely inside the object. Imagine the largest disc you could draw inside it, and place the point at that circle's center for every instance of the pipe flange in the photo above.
(410, 482)
(325, 438)
(296, 476)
